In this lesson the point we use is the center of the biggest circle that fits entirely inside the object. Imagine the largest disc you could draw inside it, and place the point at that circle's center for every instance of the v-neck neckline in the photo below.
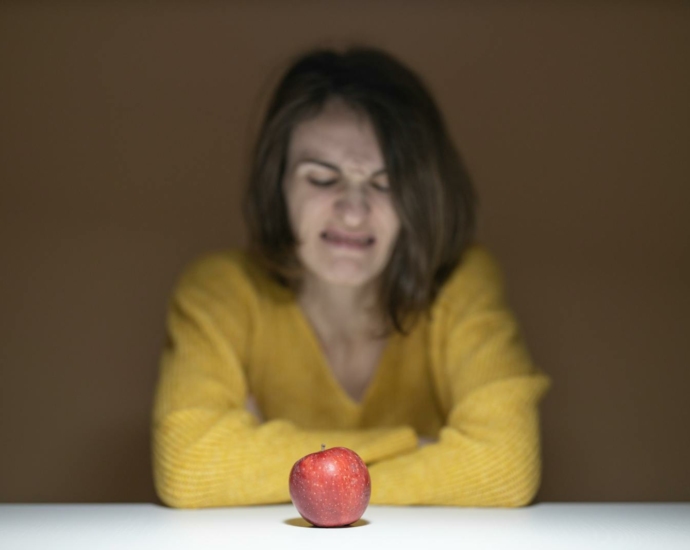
(322, 364)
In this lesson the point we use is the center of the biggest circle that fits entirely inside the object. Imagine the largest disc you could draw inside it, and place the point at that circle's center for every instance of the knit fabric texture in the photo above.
(463, 376)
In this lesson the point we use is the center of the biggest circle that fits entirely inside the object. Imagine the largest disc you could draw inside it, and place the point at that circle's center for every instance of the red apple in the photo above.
(330, 488)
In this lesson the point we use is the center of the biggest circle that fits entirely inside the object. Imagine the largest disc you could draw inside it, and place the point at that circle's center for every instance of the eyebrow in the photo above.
(333, 166)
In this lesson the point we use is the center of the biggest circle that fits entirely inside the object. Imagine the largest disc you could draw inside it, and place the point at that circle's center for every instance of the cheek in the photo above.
(309, 212)
(388, 218)
(394, 222)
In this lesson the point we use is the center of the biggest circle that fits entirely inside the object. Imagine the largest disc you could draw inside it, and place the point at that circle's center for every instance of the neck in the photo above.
(342, 313)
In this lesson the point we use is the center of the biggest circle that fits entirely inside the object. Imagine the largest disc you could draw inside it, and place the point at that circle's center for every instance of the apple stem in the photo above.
(322, 446)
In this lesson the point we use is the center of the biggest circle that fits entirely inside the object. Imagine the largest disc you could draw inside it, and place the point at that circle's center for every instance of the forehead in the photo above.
(338, 134)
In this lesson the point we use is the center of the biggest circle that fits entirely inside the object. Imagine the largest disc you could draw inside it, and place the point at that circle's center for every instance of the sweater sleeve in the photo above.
(488, 453)
(208, 450)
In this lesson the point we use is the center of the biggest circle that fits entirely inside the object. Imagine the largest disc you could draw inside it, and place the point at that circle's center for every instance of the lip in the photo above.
(352, 241)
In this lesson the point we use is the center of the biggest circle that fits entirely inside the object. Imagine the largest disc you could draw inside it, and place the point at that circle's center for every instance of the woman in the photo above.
(363, 315)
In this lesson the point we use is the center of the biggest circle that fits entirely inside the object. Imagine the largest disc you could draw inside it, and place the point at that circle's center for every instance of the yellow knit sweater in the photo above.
(462, 375)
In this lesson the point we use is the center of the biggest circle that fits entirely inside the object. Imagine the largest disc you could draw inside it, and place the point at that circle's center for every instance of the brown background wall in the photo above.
(124, 131)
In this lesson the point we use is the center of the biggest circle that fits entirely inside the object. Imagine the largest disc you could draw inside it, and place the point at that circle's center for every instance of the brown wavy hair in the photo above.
(431, 190)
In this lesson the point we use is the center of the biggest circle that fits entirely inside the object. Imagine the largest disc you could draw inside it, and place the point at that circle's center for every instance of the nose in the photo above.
(353, 206)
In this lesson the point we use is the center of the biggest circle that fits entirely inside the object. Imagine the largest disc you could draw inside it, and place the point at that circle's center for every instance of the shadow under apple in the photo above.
(301, 522)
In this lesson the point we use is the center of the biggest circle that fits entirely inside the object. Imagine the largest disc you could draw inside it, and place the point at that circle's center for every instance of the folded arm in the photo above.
(488, 454)
(208, 450)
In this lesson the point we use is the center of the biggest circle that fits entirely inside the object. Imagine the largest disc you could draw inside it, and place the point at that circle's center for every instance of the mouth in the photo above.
(345, 240)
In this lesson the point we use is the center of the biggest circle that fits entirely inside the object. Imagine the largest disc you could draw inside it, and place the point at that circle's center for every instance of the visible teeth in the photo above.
(364, 241)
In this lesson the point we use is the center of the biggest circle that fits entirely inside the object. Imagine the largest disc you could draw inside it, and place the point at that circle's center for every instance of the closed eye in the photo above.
(321, 183)
(382, 187)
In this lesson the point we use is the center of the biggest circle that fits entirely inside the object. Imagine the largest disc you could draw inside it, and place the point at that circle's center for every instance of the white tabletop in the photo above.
(543, 526)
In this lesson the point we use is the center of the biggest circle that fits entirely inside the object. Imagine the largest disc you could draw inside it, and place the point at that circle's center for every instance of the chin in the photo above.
(345, 277)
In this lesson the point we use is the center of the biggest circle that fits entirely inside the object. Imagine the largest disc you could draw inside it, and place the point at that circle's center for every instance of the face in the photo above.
(338, 198)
